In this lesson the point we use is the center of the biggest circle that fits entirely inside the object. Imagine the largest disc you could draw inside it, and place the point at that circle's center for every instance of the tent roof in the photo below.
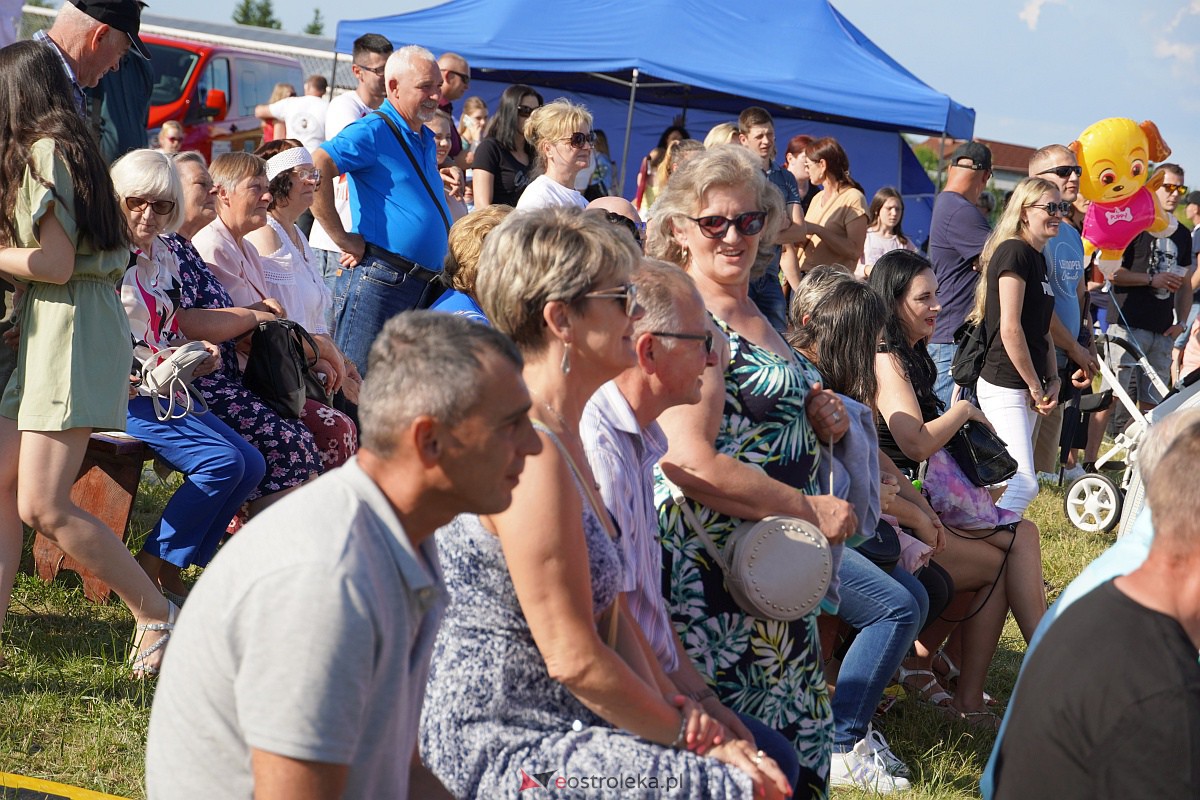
(800, 59)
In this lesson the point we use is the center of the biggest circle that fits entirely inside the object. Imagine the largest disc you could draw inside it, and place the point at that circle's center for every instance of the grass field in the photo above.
(71, 715)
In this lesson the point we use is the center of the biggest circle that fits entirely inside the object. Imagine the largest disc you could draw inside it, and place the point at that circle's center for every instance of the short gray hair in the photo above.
(538, 256)
(660, 288)
(151, 175)
(188, 157)
(425, 363)
(405, 58)
(1162, 435)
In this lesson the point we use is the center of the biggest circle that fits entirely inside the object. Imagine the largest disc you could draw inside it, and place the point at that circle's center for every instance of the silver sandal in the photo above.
(137, 663)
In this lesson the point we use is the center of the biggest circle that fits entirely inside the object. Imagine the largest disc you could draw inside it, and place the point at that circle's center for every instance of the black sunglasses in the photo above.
(626, 293)
(635, 228)
(466, 79)
(160, 207)
(578, 140)
(748, 223)
(1063, 172)
(1059, 209)
(525, 111)
(707, 338)
(377, 71)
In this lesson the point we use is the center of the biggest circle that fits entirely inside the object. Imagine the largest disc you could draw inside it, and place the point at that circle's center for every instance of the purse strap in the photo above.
(420, 173)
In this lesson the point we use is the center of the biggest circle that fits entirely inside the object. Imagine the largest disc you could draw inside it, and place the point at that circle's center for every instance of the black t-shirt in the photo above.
(1108, 706)
(1147, 253)
(1021, 259)
(511, 175)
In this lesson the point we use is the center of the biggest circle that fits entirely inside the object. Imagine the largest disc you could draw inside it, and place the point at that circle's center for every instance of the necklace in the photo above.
(554, 412)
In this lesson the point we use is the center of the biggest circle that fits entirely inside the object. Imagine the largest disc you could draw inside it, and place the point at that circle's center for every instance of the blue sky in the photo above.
(1035, 71)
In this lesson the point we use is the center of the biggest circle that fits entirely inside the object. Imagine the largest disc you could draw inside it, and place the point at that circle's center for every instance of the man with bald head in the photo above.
(91, 38)
(619, 211)
(456, 79)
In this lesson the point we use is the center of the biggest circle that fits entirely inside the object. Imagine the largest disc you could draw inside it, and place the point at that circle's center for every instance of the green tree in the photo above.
(317, 26)
(258, 13)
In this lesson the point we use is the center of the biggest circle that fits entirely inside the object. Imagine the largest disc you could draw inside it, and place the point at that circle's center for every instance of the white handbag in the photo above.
(167, 376)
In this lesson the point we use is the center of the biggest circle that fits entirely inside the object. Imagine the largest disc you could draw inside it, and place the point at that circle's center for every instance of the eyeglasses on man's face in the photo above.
(376, 71)
(462, 76)
(707, 338)
(1175, 188)
(1063, 172)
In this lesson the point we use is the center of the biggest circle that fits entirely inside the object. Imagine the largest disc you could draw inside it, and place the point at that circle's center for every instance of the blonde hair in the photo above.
(466, 244)
(281, 91)
(555, 120)
(230, 169)
(535, 257)
(722, 133)
(470, 106)
(726, 165)
(1009, 226)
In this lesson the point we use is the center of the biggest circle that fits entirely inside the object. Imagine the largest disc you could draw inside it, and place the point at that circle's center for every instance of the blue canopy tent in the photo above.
(639, 65)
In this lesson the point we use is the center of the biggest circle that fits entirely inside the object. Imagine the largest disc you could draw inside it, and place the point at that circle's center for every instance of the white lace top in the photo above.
(295, 280)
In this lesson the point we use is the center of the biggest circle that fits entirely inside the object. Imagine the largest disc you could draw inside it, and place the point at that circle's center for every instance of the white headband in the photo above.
(287, 159)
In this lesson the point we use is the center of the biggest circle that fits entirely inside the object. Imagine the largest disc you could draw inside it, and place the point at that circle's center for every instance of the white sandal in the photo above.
(952, 673)
(926, 693)
(137, 663)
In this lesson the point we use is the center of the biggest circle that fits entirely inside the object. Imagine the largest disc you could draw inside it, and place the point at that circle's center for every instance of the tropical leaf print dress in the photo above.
(769, 670)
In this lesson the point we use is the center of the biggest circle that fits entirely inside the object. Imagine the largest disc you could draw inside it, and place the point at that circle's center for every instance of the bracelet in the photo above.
(679, 737)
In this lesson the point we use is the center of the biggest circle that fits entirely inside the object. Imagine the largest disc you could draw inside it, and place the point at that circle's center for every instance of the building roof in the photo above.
(1006, 157)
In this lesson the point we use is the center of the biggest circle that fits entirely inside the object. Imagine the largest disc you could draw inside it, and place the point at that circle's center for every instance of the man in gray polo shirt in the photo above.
(298, 667)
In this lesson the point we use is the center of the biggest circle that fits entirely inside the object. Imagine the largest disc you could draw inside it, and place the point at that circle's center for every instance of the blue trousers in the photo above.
(772, 742)
(220, 470)
(365, 298)
(767, 294)
(888, 611)
(943, 356)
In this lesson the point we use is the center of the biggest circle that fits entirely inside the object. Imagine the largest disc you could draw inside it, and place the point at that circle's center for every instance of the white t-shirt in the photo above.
(303, 117)
(544, 193)
(343, 109)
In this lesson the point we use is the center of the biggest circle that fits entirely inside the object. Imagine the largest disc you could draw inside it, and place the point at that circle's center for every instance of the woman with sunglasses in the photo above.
(1019, 380)
(746, 451)
(536, 668)
(837, 215)
(220, 469)
(504, 160)
(65, 246)
(561, 134)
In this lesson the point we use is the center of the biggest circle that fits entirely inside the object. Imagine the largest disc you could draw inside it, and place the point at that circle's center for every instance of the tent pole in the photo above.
(941, 162)
(628, 131)
(333, 74)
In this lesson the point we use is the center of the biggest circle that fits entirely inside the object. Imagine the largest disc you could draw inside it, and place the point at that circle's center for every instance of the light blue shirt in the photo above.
(1122, 558)
(389, 205)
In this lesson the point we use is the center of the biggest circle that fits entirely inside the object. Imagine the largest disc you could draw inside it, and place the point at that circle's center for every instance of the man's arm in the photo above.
(281, 778)
(325, 211)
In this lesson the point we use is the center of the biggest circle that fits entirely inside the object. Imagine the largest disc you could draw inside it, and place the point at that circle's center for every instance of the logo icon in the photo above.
(539, 780)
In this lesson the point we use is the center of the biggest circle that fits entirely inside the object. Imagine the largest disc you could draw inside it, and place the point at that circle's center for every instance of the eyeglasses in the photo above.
(376, 71)
(466, 79)
(749, 223)
(578, 140)
(707, 338)
(1059, 209)
(525, 111)
(313, 175)
(1063, 172)
(626, 292)
(1174, 188)
(636, 228)
(160, 207)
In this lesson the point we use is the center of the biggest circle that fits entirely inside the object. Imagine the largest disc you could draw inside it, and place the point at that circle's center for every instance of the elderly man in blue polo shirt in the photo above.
(397, 205)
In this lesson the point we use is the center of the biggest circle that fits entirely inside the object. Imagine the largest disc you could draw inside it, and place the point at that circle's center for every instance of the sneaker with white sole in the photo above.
(1073, 473)
(865, 768)
(895, 767)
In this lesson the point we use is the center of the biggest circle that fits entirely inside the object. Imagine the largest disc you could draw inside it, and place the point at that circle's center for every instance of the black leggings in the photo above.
(940, 587)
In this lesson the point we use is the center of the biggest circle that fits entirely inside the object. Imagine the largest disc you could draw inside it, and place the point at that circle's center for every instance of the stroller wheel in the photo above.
(1093, 503)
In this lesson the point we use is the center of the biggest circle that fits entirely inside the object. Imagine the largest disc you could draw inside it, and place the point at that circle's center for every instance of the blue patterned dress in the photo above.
(493, 714)
(769, 670)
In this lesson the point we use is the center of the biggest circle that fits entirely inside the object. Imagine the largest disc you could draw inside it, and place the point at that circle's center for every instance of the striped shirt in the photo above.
(622, 455)
(76, 90)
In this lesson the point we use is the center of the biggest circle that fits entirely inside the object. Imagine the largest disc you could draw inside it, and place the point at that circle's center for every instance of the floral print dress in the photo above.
(287, 445)
(769, 670)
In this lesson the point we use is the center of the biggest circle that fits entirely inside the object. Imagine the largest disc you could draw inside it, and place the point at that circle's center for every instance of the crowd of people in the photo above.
(467, 563)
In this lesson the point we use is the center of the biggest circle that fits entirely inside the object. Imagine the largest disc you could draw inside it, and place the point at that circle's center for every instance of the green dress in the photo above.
(769, 670)
(75, 353)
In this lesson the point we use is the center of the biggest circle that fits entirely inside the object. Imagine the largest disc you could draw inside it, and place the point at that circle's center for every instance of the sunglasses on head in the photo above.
(160, 207)
(1174, 188)
(748, 223)
(707, 338)
(525, 111)
(578, 140)
(1063, 172)
(1059, 209)
(626, 293)
(635, 228)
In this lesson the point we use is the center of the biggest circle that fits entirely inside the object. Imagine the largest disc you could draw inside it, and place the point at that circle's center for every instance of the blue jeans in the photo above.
(767, 294)
(1181, 339)
(888, 611)
(365, 298)
(942, 355)
(220, 470)
(328, 266)
(772, 742)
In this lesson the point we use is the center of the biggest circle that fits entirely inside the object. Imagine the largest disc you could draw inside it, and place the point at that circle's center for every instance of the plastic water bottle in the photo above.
(1175, 269)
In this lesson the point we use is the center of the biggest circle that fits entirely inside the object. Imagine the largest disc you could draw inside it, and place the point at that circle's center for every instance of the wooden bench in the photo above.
(106, 488)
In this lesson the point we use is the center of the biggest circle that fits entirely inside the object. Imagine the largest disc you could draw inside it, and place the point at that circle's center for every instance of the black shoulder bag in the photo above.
(278, 367)
(972, 344)
(416, 166)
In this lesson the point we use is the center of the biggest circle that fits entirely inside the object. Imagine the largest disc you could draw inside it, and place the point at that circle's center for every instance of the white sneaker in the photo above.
(895, 767)
(863, 767)
(1047, 477)
(1073, 473)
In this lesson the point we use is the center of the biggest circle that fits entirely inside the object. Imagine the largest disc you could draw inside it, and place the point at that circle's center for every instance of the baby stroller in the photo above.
(1095, 502)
